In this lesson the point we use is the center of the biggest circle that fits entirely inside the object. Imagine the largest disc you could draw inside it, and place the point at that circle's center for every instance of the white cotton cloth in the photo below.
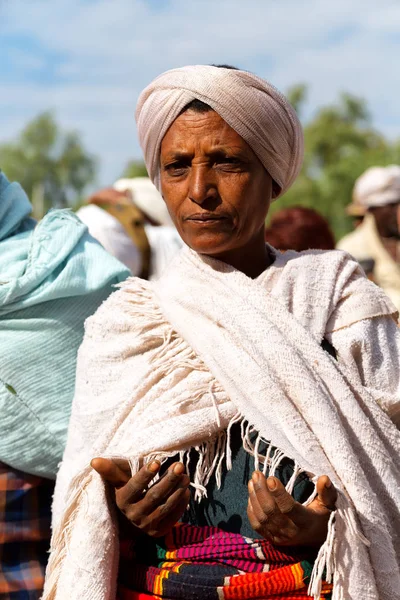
(146, 197)
(370, 349)
(165, 242)
(253, 107)
(149, 382)
(377, 186)
(107, 230)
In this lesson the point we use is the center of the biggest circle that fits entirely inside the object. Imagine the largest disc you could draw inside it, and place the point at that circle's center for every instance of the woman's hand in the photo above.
(152, 510)
(275, 515)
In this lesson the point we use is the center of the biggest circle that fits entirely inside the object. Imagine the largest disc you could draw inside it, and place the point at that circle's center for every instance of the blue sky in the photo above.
(88, 59)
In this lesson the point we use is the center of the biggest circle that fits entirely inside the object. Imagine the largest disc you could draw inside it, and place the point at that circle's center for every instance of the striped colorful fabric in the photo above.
(207, 563)
(25, 509)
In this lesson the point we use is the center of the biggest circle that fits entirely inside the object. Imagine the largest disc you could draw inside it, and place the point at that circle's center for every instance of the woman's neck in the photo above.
(251, 259)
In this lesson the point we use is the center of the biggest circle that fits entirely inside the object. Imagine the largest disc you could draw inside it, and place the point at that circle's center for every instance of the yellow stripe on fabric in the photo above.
(158, 580)
(298, 574)
(165, 571)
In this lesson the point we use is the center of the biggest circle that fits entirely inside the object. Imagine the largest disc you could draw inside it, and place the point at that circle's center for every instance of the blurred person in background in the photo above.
(98, 216)
(299, 228)
(357, 212)
(132, 222)
(216, 373)
(53, 276)
(377, 240)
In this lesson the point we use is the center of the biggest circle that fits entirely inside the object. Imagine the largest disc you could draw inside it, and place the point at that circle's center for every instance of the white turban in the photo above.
(146, 197)
(378, 186)
(256, 110)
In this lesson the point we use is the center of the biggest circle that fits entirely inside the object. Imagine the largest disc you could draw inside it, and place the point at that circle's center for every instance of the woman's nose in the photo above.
(202, 185)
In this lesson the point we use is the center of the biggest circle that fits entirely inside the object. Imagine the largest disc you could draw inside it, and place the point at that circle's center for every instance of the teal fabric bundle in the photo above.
(53, 276)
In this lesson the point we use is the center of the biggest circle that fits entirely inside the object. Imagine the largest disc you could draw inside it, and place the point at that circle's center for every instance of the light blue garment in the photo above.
(53, 275)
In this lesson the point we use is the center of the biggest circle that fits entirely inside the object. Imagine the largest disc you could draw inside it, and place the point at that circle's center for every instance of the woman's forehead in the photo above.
(206, 129)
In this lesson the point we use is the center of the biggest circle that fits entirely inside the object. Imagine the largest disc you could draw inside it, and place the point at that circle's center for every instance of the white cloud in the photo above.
(105, 52)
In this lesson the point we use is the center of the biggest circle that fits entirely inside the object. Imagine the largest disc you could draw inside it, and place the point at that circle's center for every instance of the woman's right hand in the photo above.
(152, 510)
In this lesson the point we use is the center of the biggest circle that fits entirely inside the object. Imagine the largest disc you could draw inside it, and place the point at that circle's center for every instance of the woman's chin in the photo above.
(210, 246)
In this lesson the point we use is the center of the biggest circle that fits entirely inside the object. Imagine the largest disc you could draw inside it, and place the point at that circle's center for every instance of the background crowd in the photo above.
(54, 274)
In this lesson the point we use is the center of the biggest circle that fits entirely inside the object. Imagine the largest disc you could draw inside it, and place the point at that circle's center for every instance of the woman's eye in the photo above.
(175, 168)
(227, 162)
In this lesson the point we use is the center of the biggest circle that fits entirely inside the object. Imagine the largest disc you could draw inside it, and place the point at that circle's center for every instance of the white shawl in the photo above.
(222, 346)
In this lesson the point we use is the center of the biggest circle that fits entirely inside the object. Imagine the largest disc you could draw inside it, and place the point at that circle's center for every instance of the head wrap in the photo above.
(378, 186)
(146, 197)
(255, 109)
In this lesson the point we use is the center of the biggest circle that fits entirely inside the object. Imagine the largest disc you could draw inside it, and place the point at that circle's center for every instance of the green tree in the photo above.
(297, 95)
(340, 144)
(51, 165)
(135, 168)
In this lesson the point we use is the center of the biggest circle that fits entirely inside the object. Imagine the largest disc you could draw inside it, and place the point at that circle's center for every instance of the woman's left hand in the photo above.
(275, 515)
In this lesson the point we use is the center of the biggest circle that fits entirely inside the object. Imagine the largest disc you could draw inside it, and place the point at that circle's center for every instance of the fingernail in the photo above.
(251, 486)
(256, 476)
(328, 483)
(153, 466)
(271, 482)
(178, 469)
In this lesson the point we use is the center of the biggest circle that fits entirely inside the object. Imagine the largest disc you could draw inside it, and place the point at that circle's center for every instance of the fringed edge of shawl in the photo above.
(173, 353)
(326, 561)
(59, 546)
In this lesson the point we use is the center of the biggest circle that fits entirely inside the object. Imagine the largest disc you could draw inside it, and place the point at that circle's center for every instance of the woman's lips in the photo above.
(201, 218)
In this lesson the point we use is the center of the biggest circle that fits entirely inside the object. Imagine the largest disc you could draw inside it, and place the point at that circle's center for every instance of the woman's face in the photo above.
(216, 189)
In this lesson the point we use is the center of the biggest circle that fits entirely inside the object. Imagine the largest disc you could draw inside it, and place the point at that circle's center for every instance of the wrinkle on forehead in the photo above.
(206, 132)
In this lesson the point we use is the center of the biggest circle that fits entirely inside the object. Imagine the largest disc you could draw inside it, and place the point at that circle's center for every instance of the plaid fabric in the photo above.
(25, 503)
(207, 563)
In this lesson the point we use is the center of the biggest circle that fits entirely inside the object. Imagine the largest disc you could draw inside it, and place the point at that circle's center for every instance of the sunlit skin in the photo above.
(217, 191)
(218, 194)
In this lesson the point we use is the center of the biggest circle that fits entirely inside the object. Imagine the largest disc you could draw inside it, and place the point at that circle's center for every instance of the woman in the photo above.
(235, 343)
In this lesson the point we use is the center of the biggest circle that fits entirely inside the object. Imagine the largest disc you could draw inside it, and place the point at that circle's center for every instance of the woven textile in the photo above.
(253, 107)
(53, 276)
(206, 563)
(216, 540)
(168, 366)
(25, 510)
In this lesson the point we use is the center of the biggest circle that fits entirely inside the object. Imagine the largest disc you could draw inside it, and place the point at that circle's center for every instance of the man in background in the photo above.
(377, 238)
